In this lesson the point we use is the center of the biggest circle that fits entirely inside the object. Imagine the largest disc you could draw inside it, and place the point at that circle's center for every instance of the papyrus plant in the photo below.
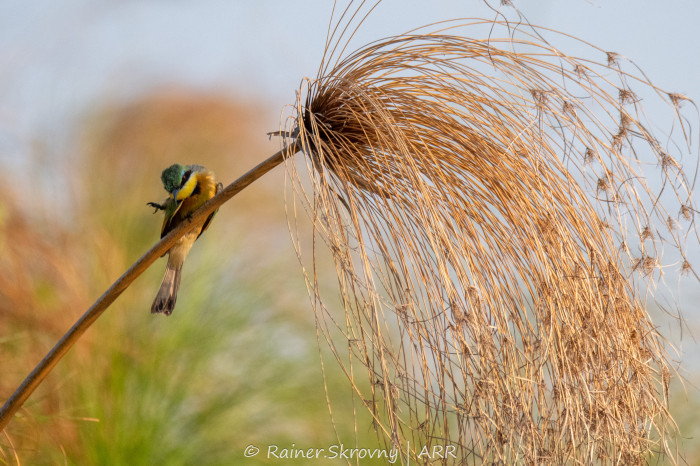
(487, 206)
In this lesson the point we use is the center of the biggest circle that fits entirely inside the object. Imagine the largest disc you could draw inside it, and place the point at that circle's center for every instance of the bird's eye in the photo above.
(185, 177)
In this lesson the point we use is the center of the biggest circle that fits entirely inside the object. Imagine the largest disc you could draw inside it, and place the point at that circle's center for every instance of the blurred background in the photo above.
(96, 98)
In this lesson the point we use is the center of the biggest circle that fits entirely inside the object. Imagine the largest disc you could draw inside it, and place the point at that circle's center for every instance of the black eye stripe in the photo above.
(185, 177)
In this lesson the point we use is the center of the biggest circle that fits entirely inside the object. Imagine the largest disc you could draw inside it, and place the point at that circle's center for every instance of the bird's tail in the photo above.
(167, 295)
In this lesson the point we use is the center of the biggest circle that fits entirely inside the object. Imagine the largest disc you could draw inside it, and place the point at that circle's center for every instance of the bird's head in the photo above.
(175, 181)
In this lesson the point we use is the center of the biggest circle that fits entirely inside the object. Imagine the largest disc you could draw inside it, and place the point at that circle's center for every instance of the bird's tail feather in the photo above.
(167, 295)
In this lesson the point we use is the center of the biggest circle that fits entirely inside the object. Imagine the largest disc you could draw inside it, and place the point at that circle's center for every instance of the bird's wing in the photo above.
(170, 221)
(219, 188)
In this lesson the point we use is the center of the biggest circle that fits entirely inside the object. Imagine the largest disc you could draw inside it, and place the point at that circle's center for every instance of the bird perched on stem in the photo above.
(190, 186)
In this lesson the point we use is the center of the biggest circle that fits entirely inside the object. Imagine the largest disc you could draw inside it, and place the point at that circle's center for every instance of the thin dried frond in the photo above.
(613, 58)
(627, 96)
(687, 212)
(645, 264)
(677, 99)
(686, 267)
(485, 298)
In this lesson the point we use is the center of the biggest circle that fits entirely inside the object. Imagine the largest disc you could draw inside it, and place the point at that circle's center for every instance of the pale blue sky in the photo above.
(59, 57)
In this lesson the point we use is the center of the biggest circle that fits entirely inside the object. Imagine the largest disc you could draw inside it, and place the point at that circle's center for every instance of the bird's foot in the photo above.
(156, 206)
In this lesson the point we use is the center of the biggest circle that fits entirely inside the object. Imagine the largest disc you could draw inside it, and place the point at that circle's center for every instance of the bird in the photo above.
(189, 187)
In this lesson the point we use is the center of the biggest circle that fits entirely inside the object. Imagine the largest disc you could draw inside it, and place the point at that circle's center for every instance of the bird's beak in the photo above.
(174, 193)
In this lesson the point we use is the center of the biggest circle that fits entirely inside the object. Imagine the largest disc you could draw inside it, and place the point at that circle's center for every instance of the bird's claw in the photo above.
(156, 206)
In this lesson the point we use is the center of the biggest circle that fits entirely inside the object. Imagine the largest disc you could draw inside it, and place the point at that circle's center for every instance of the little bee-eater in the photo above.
(190, 186)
